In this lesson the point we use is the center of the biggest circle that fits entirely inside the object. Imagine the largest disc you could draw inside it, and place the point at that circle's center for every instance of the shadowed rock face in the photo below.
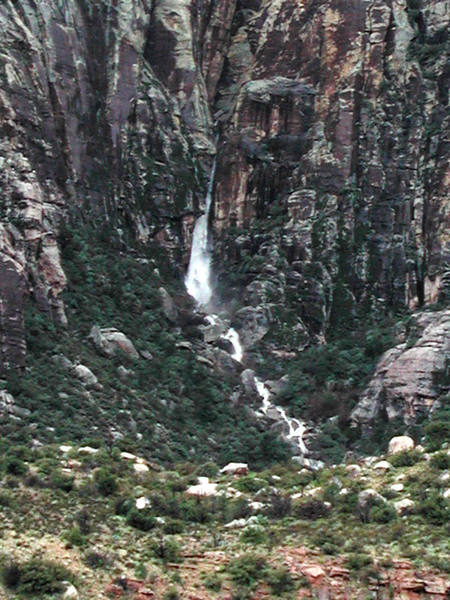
(332, 111)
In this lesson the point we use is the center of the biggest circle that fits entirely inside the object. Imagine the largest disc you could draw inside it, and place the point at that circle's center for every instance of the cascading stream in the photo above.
(198, 278)
(198, 285)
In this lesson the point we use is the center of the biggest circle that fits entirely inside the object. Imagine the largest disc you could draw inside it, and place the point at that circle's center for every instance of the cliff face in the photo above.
(332, 155)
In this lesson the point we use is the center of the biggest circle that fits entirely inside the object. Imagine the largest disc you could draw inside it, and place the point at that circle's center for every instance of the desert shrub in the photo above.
(249, 484)
(141, 519)
(61, 482)
(239, 509)
(105, 481)
(75, 537)
(34, 481)
(208, 469)
(382, 513)
(97, 560)
(311, 509)
(171, 594)
(405, 459)
(15, 466)
(166, 549)
(440, 460)
(253, 535)
(280, 581)
(212, 581)
(357, 561)
(5, 499)
(280, 506)
(38, 577)
(173, 526)
(83, 520)
(123, 505)
(435, 509)
(11, 574)
(247, 569)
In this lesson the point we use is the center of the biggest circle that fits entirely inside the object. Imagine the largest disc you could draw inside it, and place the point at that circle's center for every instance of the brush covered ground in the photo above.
(92, 517)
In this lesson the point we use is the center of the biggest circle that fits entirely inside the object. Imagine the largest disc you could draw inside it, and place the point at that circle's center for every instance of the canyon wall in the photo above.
(332, 179)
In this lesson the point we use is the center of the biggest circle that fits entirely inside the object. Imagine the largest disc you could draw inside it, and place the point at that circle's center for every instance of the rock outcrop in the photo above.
(406, 382)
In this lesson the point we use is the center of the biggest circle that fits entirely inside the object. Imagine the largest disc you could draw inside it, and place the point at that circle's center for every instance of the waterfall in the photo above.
(198, 278)
(198, 285)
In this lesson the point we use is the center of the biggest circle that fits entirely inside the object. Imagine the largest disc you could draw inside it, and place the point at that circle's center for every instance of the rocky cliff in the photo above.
(332, 183)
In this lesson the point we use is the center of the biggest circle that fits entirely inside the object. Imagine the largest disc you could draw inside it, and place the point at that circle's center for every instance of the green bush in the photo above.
(311, 509)
(355, 562)
(62, 482)
(408, 458)
(435, 509)
(382, 513)
(36, 577)
(105, 481)
(15, 466)
(171, 594)
(247, 569)
(280, 581)
(166, 549)
(253, 535)
(173, 526)
(141, 519)
(440, 460)
(212, 581)
(75, 537)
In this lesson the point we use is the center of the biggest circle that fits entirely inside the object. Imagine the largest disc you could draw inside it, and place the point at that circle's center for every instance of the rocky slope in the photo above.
(331, 192)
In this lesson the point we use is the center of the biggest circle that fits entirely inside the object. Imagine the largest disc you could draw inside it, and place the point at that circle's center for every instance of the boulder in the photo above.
(249, 383)
(403, 506)
(71, 593)
(404, 382)
(401, 443)
(204, 488)
(235, 469)
(382, 465)
(367, 499)
(109, 341)
(168, 305)
(85, 375)
(140, 468)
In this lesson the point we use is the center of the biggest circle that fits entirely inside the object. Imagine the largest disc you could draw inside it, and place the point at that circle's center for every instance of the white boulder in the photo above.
(235, 469)
(401, 443)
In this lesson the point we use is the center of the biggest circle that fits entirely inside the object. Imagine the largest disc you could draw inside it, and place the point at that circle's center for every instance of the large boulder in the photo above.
(168, 305)
(109, 341)
(400, 443)
(405, 381)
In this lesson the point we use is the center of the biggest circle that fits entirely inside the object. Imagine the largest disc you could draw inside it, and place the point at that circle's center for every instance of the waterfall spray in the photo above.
(198, 278)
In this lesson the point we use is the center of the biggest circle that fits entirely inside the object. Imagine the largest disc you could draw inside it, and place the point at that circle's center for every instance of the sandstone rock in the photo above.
(402, 443)
(235, 469)
(110, 341)
(85, 375)
(204, 488)
(71, 593)
(168, 305)
(140, 468)
(313, 572)
(382, 465)
(404, 382)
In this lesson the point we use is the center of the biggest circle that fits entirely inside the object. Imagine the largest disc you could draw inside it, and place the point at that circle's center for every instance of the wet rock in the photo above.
(109, 341)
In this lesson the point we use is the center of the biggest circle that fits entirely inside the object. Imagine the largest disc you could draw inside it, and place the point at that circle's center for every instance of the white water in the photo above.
(233, 337)
(198, 278)
(198, 285)
(296, 428)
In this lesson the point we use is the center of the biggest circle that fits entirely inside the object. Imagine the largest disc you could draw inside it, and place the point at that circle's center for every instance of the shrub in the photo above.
(97, 560)
(311, 509)
(75, 537)
(382, 513)
(434, 509)
(11, 574)
(280, 581)
(280, 506)
(440, 460)
(171, 594)
(212, 581)
(15, 466)
(123, 505)
(36, 577)
(141, 519)
(105, 481)
(61, 482)
(355, 562)
(247, 569)
(173, 526)
(209, 469)
(405, 459)
(253, 535)
(166, 549)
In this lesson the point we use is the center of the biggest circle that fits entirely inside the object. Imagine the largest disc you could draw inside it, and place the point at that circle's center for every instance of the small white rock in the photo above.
(71, 593)
(128, 456)
(400, 443)
(87, 450)
(140, 468)
(142, 503)
(397, 487)
(403, 506)
(382, 465)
